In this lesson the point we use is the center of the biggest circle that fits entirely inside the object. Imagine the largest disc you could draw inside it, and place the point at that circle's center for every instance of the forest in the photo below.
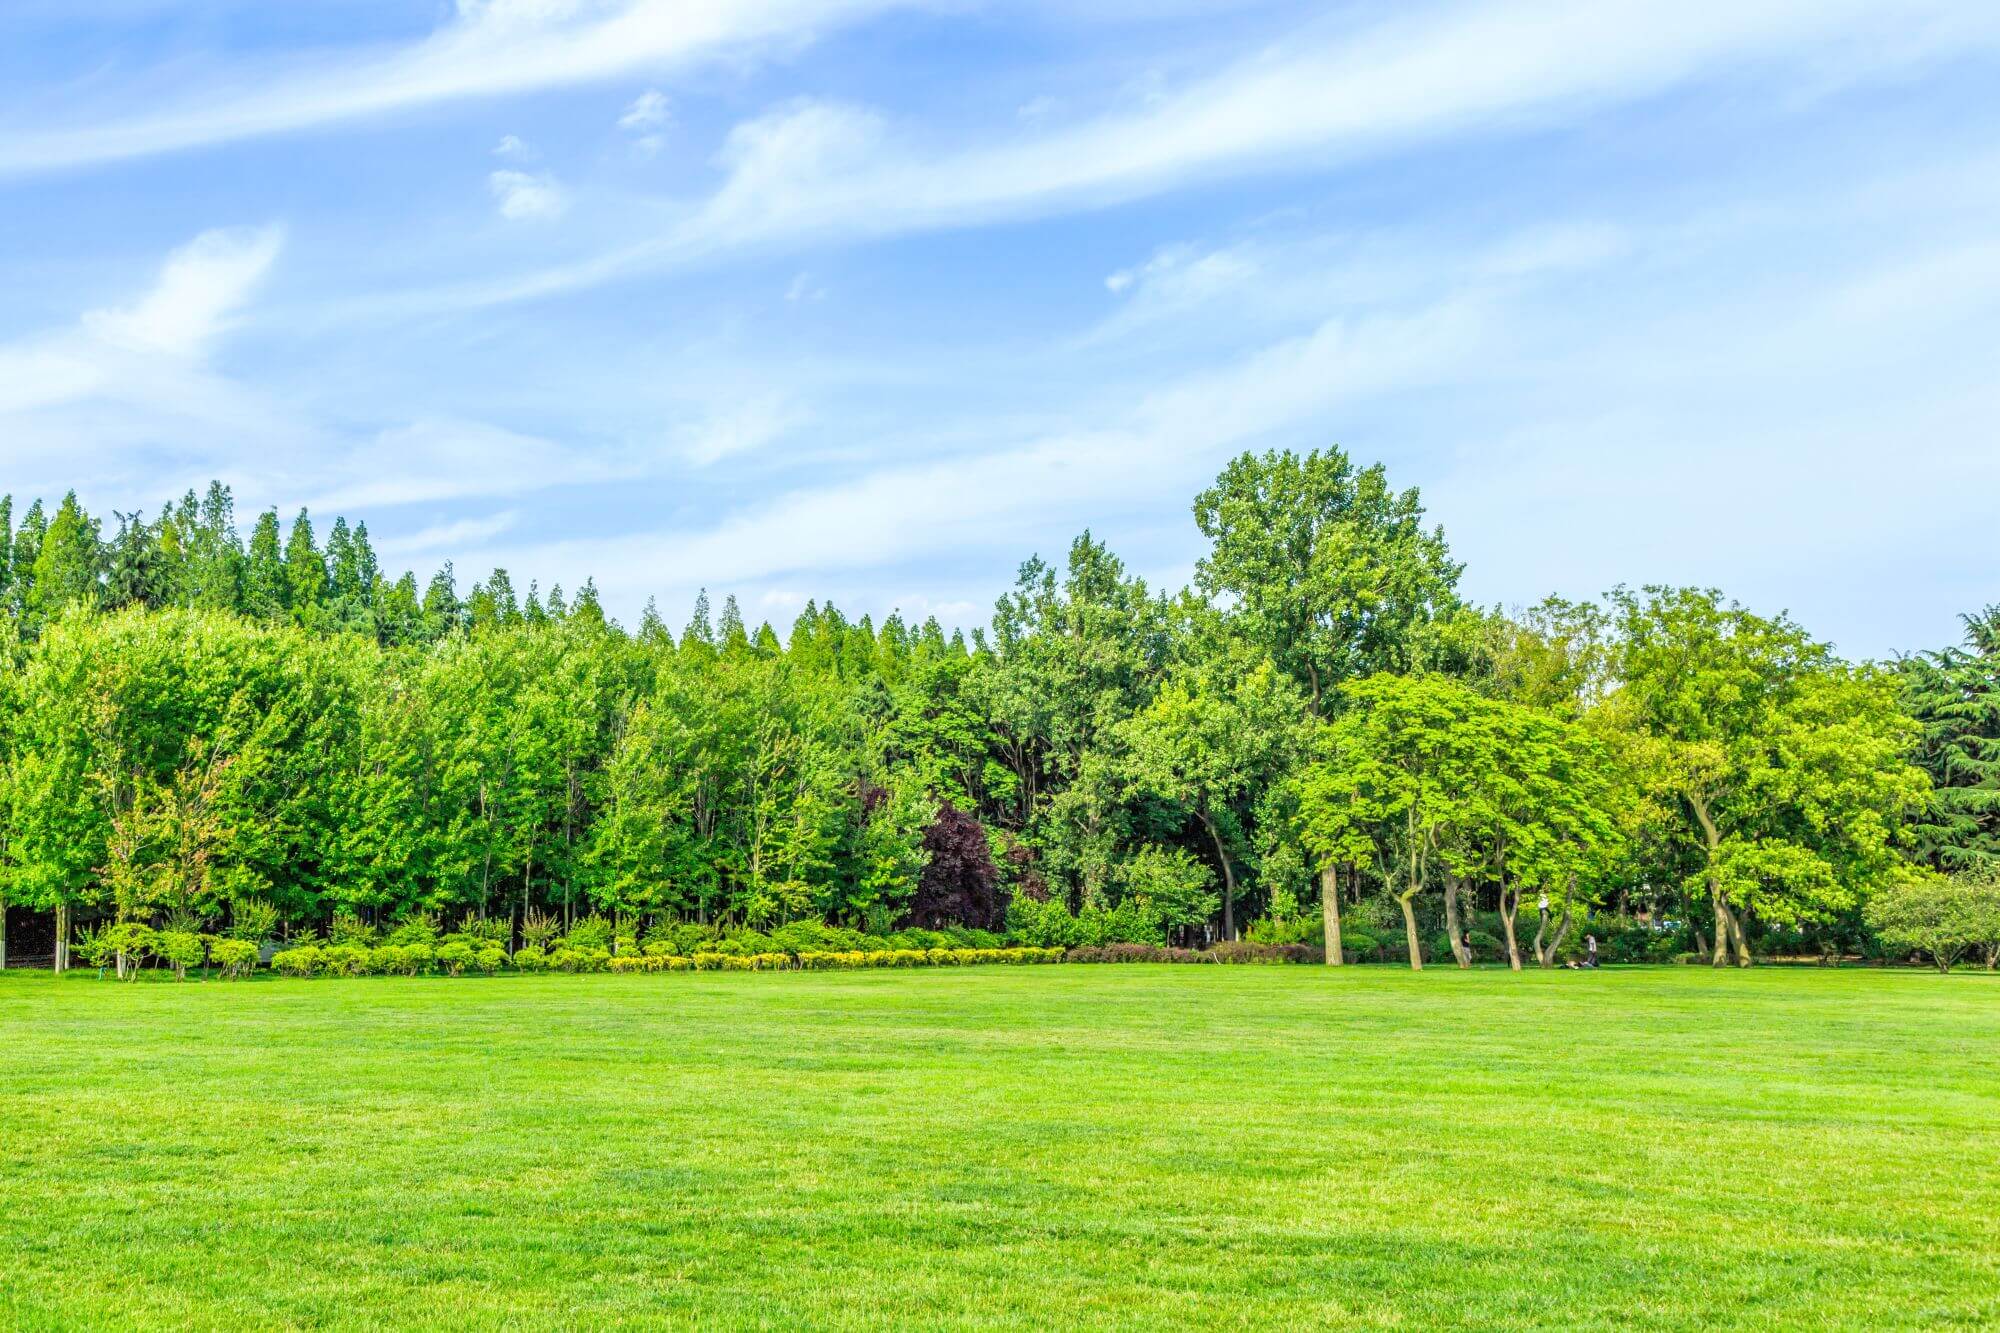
(1319, 749)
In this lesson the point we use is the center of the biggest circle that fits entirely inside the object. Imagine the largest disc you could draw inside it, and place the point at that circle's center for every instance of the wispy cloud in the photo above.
(523, 196)
(812, 171)
(490, 47)
(648, 112)
(129, 351)
(447, 538)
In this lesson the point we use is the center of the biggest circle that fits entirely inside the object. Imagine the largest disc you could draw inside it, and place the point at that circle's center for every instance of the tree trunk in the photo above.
(3, 937)
(1739, 942)
(62, 938)
(1452, 928)
(1547, 957)
(1329, 911)
(1228, 879)
(1510, 904)
(1722, 922)
(1410, 931)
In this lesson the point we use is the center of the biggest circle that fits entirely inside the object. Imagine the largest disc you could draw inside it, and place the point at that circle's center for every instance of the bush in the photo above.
(481, 931)
(349, 931)
(1291, 930)
(1359, 945)
(531, 958)
(180, 950)
(589, 935)
(420, 928)
(1242, 951)
(236, 957)
(568, 958)
(251, 920)
(303, 961)
(489, 958)
(1942, 917)
(454, 957)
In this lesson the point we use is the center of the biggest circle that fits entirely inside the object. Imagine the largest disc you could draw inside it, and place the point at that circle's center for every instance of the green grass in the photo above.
(1020, 1147)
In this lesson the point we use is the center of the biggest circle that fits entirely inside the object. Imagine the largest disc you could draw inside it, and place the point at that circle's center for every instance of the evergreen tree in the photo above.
(305, 572)
(69, 567)
(1954, 695)
(266, 593)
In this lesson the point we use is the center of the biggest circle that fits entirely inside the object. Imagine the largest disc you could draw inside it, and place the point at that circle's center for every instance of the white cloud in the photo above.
(444, 458)
(492, 47)
(648, 111)
(513, 146)
(803, 288)
(152, 347)
(447, 538)
(526, 197)
(740, 428)
(812, 171)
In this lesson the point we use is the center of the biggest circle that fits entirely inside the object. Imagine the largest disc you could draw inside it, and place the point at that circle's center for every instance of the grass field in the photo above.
(1116, 1146)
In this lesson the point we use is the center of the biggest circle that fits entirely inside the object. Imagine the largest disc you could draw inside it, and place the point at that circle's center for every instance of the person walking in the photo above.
(1590, 951)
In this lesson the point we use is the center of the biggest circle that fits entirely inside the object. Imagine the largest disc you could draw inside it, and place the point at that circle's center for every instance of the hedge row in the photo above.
(830, 962)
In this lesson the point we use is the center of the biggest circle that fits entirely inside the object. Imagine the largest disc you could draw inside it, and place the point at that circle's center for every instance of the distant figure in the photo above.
(1590, 951)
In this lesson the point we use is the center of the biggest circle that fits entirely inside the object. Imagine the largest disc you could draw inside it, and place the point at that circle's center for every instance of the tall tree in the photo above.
(1954, 695)
(1788, 767)
(1329, 571)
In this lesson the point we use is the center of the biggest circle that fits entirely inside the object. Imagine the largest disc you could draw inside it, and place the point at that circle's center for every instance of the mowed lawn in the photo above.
(1018, 1147)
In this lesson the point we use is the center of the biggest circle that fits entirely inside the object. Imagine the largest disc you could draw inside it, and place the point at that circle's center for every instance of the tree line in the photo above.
(198, 729)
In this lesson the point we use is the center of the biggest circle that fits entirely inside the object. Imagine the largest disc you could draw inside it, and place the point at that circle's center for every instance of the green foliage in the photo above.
(1943, 917)
(196, 730)
(180, 950)
(251, 920)
(237, 958)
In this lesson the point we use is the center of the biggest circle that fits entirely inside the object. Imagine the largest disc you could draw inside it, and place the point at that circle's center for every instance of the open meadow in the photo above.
(1129, 1146)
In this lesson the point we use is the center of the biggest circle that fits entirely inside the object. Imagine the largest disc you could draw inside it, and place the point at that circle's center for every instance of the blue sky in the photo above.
(871, 300)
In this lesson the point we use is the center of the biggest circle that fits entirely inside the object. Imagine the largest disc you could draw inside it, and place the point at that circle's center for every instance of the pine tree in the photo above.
(651, 628)
(6, 552)
(1955, 697)
(443, 612)
(586, 608)
(69, 567)
(138, 566)
(734, 638)
(305, 572)
(699, 630)
(212, 573)
(266, 594)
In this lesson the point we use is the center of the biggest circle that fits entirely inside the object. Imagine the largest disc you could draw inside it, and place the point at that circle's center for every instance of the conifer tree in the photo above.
(305, 572)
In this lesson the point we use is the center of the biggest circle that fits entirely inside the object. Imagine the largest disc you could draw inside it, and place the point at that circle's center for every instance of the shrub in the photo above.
(588, 934)
(1290, 930)
(741, 943)
(568, 958)
(531, 958)
(489, 958)
(303, 961)
(455, 956)
(1921, 912)
(1174, 890)
(180, 950)
(538, 929)
(251, 920)
(678, 938)
(236, 957)
(1359, 945)
(479, 931)
(418, 928)
(349, 931)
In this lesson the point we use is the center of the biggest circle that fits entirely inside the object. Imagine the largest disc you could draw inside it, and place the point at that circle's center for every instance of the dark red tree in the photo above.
(961, 885)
